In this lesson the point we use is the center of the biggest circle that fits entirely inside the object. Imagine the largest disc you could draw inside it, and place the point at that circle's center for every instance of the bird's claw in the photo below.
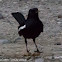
(38, 51)
(28, 51)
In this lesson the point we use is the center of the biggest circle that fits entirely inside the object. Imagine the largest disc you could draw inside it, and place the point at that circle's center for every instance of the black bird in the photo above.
(30, 27)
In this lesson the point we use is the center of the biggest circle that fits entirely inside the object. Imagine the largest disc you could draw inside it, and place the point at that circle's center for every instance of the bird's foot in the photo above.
(38, 51)
(27, 51)
(27, 54)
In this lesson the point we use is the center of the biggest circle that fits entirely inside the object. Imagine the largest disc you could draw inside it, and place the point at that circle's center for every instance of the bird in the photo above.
(31, 27)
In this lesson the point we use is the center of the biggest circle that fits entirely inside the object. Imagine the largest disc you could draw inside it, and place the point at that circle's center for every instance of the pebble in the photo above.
(39, 60)
(59, 16)
(58, 43)
(1, 16)
(4, 41)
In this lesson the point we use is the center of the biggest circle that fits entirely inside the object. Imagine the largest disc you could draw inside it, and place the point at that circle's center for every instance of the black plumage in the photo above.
(30, 27)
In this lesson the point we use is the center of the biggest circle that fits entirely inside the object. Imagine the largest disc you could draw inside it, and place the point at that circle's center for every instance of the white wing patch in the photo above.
(22, 27)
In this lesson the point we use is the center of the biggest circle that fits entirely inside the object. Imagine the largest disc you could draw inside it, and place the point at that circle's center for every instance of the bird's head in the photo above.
(33, 13)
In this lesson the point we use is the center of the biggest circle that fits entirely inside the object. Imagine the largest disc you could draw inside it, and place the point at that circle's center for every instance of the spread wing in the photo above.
(19, 17)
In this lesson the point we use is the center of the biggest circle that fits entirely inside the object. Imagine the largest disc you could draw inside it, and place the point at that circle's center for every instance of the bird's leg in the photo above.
(26, 45)
(36, 46)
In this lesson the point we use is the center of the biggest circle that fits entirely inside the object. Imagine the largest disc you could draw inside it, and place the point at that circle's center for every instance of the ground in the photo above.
(50, 41)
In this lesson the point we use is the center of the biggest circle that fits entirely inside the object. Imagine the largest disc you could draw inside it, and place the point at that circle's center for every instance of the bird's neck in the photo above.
(33, 17)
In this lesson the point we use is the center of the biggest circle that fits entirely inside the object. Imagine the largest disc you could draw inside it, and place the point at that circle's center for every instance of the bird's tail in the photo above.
(19, 18)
